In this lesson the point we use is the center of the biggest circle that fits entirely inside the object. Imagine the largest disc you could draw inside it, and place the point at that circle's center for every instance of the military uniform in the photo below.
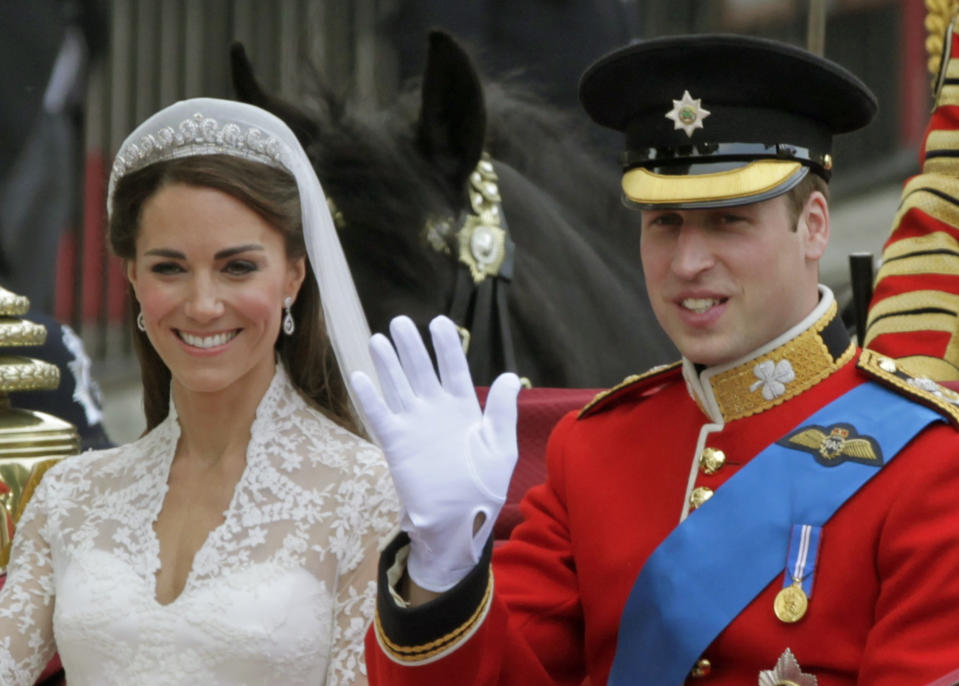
(785, 516)
(884, 608)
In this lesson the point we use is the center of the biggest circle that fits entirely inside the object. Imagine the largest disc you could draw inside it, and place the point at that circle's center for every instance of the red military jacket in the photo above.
(885, 603)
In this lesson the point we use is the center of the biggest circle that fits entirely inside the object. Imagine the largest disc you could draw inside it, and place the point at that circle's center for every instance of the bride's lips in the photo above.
(206, 341)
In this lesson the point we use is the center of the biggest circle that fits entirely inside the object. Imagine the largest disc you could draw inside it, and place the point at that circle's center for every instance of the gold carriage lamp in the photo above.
(30, 442)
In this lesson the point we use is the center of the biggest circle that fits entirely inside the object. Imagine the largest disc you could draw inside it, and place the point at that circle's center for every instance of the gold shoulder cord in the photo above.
(896, 375)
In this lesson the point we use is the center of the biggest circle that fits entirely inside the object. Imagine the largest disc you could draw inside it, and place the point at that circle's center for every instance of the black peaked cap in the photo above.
(760, 99)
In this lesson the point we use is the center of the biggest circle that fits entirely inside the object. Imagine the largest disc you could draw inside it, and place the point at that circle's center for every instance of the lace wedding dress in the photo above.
(280, 593)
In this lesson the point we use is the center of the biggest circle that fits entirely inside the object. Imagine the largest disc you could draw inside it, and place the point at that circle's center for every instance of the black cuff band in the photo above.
(410, 634)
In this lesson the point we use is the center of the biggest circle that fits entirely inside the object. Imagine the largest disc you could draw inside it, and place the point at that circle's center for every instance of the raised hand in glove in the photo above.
(451, 461)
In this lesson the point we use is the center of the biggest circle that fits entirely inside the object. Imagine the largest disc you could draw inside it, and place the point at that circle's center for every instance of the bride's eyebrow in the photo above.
(230, 252)
(166, 252)
(221, 255)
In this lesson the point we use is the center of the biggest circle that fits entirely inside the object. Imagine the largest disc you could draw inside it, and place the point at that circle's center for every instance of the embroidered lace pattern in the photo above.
(281, 592)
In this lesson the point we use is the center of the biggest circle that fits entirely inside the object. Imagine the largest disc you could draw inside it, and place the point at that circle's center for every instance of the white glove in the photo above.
(450, 460)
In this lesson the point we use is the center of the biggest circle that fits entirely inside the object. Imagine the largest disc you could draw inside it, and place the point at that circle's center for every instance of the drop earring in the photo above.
(288, 325)
(140, 323)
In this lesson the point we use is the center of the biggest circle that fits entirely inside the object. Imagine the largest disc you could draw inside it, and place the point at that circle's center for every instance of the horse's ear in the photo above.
(249, 90)
(452, 123)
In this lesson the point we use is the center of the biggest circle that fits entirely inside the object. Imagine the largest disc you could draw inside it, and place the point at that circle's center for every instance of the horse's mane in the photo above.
(367, 163)
(551, 147)
(371, 151)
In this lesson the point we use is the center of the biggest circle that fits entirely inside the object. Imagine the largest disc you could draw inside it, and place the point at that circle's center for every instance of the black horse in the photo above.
(560, 299)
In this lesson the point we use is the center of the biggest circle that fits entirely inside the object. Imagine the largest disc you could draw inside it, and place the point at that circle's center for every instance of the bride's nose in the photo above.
(203, 302)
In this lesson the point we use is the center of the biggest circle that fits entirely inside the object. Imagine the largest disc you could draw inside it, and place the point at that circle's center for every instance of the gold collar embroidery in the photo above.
(758, 383)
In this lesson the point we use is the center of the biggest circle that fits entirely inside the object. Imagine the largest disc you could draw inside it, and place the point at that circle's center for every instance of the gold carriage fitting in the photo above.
(30, 442)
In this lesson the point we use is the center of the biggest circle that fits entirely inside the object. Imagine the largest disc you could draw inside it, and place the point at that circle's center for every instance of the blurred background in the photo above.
(80, 74)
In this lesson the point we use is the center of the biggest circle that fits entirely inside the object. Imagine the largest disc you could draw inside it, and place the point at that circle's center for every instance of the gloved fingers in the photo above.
(379, 417)
(450, 358)
(396, 388)
(500, 414)
(414, 358)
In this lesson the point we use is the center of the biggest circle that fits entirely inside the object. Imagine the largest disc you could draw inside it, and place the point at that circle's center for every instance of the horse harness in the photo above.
(485, 253)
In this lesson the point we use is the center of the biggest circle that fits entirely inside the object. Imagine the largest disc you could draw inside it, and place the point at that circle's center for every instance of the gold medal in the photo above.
(791, 604)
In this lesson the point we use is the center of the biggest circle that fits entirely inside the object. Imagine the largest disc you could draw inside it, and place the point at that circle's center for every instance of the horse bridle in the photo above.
(485, 254)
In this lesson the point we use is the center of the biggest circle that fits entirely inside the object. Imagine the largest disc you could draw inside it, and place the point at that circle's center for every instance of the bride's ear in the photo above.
(296, 273)
(130, 266)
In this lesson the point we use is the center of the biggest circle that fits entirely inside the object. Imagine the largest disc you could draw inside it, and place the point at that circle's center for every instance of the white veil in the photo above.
(210, 126)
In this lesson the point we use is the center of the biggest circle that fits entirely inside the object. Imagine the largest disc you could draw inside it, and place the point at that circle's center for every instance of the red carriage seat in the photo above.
(539, 411)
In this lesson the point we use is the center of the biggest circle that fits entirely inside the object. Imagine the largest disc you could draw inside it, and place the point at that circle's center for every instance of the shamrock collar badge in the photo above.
(773, 377)
(687, 114)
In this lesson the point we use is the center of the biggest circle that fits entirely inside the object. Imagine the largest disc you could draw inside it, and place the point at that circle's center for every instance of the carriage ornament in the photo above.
(30, 442)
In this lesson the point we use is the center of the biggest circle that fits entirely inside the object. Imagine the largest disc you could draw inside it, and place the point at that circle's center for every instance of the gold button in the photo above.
(712, 460)
(700, 495)
(703, 668)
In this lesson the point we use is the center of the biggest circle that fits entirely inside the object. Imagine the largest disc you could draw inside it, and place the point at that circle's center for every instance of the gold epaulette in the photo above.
(628, 387)
(894, 374)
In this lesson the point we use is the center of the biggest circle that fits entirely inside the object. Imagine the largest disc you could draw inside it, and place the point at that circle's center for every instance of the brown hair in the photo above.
(797, 196)
(271, 193)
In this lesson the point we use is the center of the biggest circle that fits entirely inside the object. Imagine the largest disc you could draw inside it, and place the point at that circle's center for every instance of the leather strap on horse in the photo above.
(482, 309)
(486, 262)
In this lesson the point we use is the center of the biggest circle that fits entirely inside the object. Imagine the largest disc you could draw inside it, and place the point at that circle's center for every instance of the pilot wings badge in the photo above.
(834, 445)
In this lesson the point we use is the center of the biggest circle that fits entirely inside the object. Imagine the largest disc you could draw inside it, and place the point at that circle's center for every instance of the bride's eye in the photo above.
(166, 268)
(240, 267)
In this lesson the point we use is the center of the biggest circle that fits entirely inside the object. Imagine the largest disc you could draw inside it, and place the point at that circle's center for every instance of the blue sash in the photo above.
(738, 538)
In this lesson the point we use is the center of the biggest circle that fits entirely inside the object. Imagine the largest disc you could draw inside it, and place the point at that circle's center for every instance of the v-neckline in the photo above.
(164, 471)
(165, 467)
(212, 535)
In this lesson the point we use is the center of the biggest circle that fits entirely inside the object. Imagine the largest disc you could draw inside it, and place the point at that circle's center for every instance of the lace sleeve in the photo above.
(372, 516)
(26, 601)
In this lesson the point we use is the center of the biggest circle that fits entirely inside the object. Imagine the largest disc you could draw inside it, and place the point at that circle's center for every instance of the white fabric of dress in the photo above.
(280, 593)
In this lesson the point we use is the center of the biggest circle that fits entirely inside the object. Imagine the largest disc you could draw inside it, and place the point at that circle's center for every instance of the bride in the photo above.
(235, 541)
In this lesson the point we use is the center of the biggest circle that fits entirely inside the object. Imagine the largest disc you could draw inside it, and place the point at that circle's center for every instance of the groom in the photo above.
(777, 506)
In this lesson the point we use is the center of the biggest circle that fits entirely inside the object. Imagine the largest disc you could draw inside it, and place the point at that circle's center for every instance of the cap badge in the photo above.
(786, 673)
(687, 114)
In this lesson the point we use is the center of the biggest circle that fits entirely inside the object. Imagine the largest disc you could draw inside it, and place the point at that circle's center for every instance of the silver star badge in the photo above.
(786, 673)
(687, 114)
